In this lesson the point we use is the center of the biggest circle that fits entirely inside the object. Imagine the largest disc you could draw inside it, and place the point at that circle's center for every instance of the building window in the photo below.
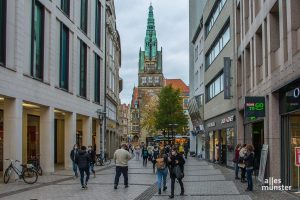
(3, 31)
(82, 69)
(65, 6)
(97, 78)
(98, 24)
(218, 46)
(156, 79)
(37, 41)
(214, 15)
(64, 57)
(144, 80)
(215, 87)
(150, 80)
(83, 17)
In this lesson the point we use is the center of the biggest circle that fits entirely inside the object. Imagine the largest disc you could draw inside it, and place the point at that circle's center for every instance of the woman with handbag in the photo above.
(162, 171)
(236, 160)
(241, 164)
(176, 162)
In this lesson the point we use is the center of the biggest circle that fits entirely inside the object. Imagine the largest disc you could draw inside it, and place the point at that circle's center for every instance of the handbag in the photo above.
(177, 172)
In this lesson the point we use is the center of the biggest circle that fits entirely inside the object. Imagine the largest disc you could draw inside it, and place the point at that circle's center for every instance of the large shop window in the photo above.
(65, 7)
(3, 31)
(215, 87)
(37, 41)
(97, 78)
(98, 24)
(64, 57)
(82, 69)
(83, 17)
(218, 46)
(214, 15)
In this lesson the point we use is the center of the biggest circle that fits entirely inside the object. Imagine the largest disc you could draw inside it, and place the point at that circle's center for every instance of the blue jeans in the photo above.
(92, 168)
(161, 176)
(75, 168)
(236, 169)
(249, 179)
(87, 172)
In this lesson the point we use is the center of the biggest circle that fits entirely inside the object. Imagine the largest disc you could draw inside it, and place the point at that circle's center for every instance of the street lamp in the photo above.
(102, 119)
(173, 125)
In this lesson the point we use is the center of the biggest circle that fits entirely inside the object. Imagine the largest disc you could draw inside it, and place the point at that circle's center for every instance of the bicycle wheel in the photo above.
(30, 176)
(107, 162)
(39, 170)
(7, 175)
(98, 162)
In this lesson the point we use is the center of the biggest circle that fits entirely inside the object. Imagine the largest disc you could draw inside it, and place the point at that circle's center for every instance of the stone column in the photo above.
(12, 134)
(70, 137)
(47, 139)
(98, 137)
(87, 131)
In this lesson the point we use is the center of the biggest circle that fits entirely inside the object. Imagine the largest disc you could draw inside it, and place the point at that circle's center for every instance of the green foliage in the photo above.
(170, 110)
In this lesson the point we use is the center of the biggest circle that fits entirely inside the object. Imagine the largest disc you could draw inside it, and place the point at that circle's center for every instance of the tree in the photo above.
(148, 114)
(170, 110)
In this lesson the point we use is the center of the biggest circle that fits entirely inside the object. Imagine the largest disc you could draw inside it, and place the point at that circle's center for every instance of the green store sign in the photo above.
(254, 107)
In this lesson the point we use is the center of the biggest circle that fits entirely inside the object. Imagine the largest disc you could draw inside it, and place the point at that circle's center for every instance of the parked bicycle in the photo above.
(100, 161)
(35, 161)
(28, 173)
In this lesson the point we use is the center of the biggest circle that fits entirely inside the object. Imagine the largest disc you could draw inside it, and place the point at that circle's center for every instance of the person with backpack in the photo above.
(155, 154)
(241, 164)
(83, 160)
(92, 154)
(249, 162)
(176, 163)
(145, 155)
(73, 154)
(161, 171)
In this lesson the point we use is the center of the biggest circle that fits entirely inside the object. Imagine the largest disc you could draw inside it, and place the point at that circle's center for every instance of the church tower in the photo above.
(150, 74)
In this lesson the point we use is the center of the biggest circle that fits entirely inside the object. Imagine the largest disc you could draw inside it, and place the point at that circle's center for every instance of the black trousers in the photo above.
(243, 174)
(145, 159)
(121, 170)
(173, 185)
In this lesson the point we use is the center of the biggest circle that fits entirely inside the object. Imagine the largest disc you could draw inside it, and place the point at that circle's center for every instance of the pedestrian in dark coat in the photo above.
(73, 154)
(249, 162)
(92, 154)
(174, 160)
(83, 160)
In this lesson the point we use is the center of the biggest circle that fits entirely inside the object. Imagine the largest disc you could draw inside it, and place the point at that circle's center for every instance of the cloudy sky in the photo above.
(171, 23)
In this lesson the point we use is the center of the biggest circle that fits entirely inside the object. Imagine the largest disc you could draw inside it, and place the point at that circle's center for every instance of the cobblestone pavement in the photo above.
(202, 180)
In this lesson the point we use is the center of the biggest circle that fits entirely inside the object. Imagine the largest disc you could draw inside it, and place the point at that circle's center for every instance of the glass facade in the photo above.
(37, 50)
(65, 6)
(98, 24)
(97, 78)
(83, 16)
(64, 57)
(82, 69)
(3, 31)
(294, 127)
(215, 88)
(214, 15)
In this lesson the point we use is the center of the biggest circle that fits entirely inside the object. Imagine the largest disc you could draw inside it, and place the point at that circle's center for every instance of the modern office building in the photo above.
(267, 47)
(196, 77)
(219, 106)
(52, 78)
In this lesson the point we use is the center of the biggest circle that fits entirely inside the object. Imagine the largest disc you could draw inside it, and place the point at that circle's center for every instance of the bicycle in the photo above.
(35, 161)
(28, 173)
(100, 161)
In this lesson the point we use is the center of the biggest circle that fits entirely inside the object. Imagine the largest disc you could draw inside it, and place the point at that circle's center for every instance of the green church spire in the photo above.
(150, 39)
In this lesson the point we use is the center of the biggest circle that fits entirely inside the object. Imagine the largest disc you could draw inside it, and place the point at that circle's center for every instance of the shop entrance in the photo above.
(33, 137)
(258, 138)
(59, 139)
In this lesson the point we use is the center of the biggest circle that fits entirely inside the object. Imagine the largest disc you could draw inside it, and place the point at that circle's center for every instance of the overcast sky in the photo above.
(171, 23)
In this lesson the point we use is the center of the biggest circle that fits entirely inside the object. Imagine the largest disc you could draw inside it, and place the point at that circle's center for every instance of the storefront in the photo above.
(1, 140)
(220, 138)
(290, 131)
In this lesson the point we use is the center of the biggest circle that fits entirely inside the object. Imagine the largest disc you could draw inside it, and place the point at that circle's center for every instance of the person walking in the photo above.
(241, 164)
(249, 162)
(121, 158)
(162, 171)
(73, 154)
(92, 154)
(137, 151)
(145, 156)
(236, 160)
(155, 154)
(186, 149)
(83, 160)
(176, 163)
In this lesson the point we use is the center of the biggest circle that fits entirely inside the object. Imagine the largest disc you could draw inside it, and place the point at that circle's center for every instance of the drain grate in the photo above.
(148, 193)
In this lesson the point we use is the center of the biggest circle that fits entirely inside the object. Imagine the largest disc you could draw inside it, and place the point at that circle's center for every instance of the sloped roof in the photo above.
(177, 84)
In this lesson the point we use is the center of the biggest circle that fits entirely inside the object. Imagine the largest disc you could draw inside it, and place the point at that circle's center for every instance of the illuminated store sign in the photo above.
(254, 107)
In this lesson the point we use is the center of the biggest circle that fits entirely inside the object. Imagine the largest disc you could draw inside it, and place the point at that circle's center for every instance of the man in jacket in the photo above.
(73, 154)
(176, 160)
(121, 158)
(92, 154)
(83, 160)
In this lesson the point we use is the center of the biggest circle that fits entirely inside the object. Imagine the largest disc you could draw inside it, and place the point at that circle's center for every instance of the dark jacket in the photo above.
(172, 164)
(92, 154)
(82, 159)
(236, 156)
(249, 160)
(145, 152)
(73, 154)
